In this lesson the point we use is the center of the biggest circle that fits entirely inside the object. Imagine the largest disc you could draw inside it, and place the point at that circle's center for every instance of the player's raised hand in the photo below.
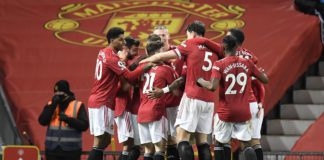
(155, 93)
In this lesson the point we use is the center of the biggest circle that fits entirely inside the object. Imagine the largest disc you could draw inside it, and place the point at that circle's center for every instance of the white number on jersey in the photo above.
(98, 72)
(206, 59)
(149, 79)
(241, 80)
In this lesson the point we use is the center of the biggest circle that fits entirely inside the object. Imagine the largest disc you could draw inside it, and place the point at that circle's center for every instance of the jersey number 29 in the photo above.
(240, 79)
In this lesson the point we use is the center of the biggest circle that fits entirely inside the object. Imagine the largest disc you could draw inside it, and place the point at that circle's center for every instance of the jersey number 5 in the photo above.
(240, 79)
(206, 59)
(149, 79)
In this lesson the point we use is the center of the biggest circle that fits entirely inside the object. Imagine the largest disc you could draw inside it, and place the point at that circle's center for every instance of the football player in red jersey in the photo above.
(163, 32)
(153, 125)
(173, 101)
(197, 104)
(257, 95)
(108, 72)
(233, 75)
(125, 110)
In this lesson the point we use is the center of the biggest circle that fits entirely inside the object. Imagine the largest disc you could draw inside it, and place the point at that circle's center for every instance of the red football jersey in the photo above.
(235, 75)
(124, 98)
(108, 69)
(244, 53)
(171, 99)
(257, 90)
(199, 60)
(153, 109)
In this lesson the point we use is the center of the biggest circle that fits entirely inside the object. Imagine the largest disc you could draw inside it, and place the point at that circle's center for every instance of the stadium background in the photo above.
(43, 41)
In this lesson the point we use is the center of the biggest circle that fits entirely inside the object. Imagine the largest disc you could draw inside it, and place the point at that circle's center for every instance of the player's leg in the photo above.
(203, 146)
(101, 127)
(148, 151)
(204, 128)
(243, 133)
(186, 123)
(99, 145)
(159, 150)
(256, 123)
(222, 134)
(146, 140)
(171, 150)
(159, 134)
(135, 150)
(126, 147)
(256, 145)
(227, 151)
(184, 147)
(125, 133)
(248, 152)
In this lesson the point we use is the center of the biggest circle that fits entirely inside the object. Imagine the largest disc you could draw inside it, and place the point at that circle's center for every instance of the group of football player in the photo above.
(160, 99)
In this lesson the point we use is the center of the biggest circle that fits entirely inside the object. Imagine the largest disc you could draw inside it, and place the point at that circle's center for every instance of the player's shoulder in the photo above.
(108, 52)
(165, 67)
(245, 53)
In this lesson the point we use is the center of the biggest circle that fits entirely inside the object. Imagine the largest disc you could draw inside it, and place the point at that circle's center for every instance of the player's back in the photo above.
(108, 69)
(199, 60)
(235, 84)
(153, 109)
(246, 54)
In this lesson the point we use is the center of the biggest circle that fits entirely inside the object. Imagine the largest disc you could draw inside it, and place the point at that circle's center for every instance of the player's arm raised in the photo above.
(161, 57)
(133, 75)
(213, 46)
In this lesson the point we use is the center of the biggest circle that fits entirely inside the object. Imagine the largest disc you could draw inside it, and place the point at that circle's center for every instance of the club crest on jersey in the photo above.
(122, 65)
(102, 55)
(86, 24)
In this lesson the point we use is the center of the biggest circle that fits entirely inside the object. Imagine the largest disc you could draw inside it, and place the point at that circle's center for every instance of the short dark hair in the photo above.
(238, 34)
(197, 27)
(130, 41)
(114, 33)
(153, 38)
(229, 42)
(153, 47)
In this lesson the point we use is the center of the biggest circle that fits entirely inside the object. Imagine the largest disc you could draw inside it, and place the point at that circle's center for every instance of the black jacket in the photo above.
(81, 123)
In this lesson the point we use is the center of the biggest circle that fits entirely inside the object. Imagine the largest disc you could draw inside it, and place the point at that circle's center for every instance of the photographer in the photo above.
(66, 119)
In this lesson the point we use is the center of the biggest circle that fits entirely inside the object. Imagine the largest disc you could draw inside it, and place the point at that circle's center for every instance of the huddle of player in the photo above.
(158, 100)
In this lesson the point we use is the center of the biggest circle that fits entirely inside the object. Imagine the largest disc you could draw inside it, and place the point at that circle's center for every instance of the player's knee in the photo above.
(245, 144)
(249, 154)
(103, 143)
(182, 135)
(204, 151)
(255, 142)
(201, 138)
